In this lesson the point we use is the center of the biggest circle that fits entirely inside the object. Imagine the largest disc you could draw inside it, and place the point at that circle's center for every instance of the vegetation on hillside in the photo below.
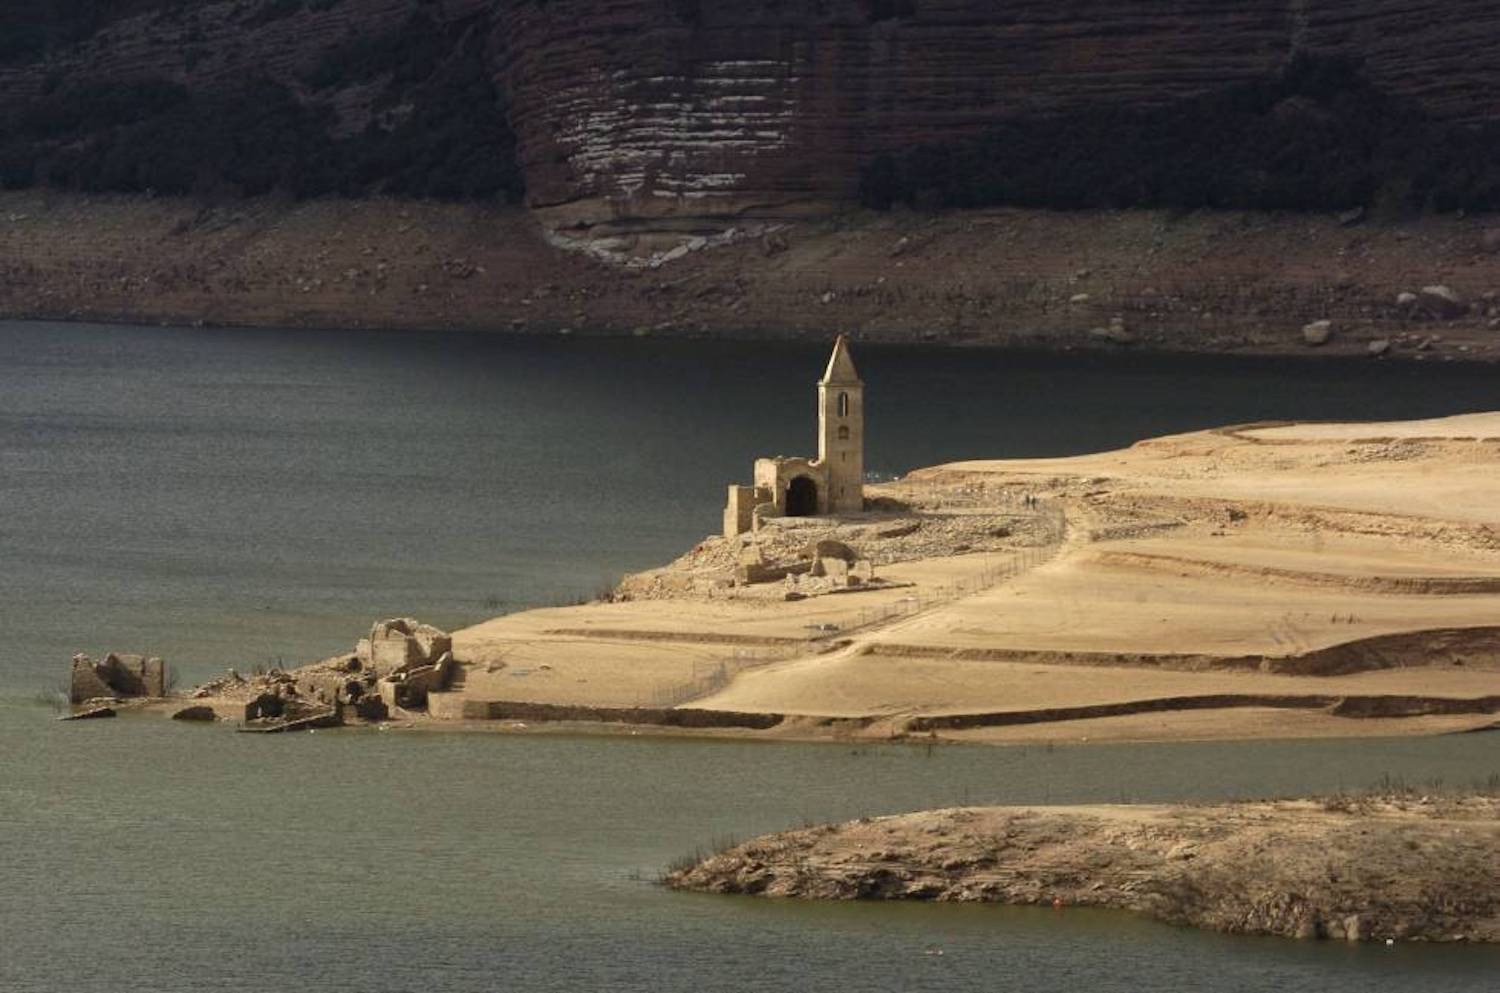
(438, 130)
(1318, 137)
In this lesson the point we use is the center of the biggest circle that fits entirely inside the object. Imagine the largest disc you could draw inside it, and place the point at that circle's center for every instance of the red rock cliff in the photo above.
(650, 108)
(654, 109)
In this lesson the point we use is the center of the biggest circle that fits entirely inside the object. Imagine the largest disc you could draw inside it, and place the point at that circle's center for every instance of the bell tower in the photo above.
(841, 431)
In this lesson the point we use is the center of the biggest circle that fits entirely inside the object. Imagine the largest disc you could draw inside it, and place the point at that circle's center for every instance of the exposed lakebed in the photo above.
(225, 497)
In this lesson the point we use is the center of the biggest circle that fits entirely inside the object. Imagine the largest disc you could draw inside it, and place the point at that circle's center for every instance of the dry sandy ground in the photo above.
(1292, 580)
(1260, 581)
(1397, 867)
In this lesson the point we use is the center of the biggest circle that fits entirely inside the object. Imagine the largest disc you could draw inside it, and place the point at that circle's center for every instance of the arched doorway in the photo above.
(801, 497)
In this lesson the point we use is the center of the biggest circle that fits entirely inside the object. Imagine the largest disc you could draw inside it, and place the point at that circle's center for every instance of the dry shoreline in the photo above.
(1260, 581)
(1202, 283)
(1371, 868)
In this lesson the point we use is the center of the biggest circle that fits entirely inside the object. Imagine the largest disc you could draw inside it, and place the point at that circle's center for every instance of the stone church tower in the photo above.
(841, 431)
(832, 483)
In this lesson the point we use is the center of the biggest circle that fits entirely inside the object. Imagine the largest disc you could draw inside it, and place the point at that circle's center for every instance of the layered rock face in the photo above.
(675, 114)
(629, 109)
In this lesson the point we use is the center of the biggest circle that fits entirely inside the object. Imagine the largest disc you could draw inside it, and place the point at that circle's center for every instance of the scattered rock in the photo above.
(1442, 302)
(1317, 333)
(828, 548)
(1114, 334)
(1078, 298)
(1379, 346)
(772, 243)
(1406, 300)
(1351, 217)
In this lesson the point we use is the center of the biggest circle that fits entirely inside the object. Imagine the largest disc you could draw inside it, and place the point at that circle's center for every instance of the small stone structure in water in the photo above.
(833, 483)
(117, 677)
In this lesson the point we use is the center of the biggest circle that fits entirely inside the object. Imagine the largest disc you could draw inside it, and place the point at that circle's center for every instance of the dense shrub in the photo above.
(1319, 136)
(31, 28)
(442, 131)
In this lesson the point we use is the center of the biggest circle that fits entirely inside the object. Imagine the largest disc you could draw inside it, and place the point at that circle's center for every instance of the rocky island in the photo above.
(1369, 868)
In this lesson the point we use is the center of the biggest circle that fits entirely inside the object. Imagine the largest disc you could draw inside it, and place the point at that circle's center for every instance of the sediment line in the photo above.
(1429, 647)
(692, 637)
(1412, 585)
(1341, 706)
(517, 710)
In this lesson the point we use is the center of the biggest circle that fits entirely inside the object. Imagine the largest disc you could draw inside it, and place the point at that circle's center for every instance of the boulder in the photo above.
(1379, 346)
(1117, 333)
(195, 713)
(1406, 300)
(1317, 333)
(828, 549)
(1442, 302)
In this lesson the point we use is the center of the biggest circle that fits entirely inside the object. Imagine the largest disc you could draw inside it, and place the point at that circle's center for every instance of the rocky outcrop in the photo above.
(631, 109)
(1354, 868)
(672, 121)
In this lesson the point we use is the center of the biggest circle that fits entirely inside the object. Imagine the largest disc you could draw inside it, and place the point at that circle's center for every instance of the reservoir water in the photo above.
(235, 497)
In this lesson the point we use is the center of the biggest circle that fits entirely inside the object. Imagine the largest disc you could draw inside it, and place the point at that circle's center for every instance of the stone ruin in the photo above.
(117, 677)
(401, 643)
(831, 564)
(409, 659)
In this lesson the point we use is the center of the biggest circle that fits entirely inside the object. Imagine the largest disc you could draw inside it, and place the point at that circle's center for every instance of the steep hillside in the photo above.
(231, 99)
(637, 129)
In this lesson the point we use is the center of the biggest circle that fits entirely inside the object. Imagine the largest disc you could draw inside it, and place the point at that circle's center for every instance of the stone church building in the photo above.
(832, 483)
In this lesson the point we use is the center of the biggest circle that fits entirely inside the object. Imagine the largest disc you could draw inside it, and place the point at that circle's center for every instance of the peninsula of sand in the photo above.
(1381, 867)
(1270, 580)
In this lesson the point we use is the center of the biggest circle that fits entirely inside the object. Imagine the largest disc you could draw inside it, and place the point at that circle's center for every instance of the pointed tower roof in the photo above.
(840, 364)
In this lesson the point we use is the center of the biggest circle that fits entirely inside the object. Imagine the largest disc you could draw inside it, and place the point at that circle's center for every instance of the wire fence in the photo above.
(714, 675)
(711, 676)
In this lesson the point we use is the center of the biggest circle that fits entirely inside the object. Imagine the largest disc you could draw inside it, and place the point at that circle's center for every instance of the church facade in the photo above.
(832, 483)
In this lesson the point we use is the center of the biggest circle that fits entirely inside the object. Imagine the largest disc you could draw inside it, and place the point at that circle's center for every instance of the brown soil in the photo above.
(1368, 868)
(1200, 282)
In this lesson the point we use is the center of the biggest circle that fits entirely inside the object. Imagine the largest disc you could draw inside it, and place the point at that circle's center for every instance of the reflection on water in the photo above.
(229, 497)
(194, 858)
(232, 497)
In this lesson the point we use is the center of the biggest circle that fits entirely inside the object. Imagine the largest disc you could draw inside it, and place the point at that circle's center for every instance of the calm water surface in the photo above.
(233, 497)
